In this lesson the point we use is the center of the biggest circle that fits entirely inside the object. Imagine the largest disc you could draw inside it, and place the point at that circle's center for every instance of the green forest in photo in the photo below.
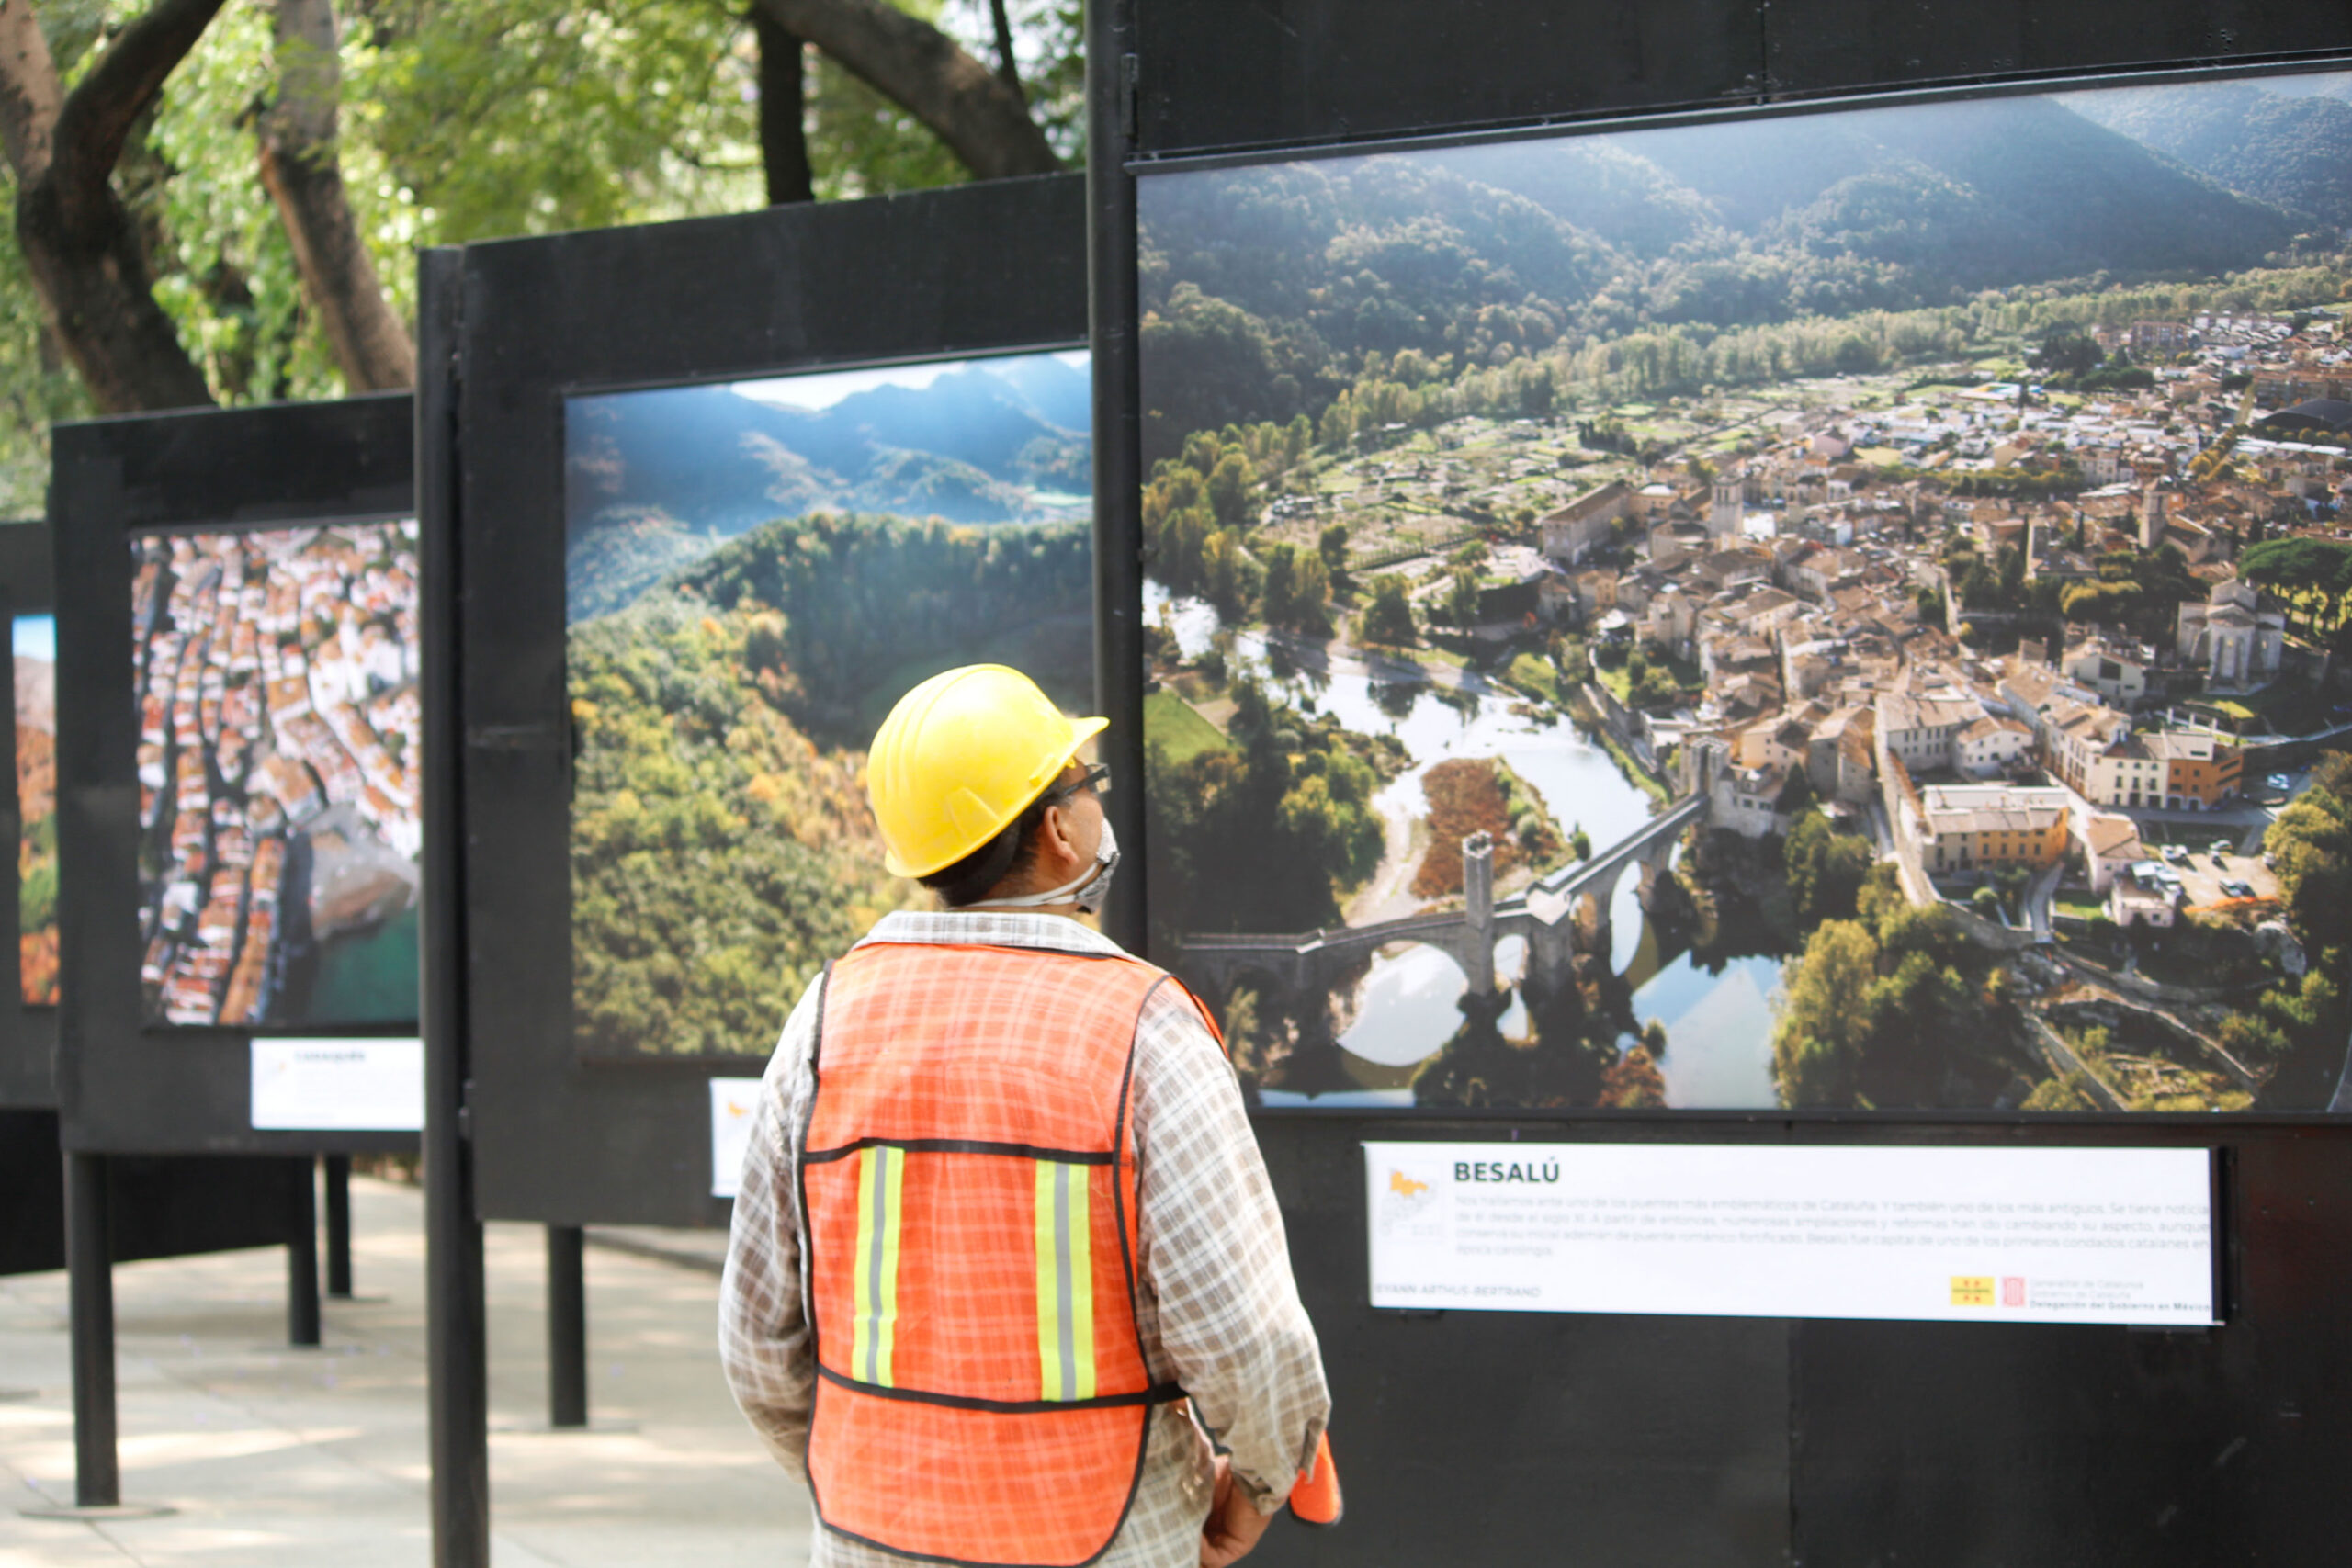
(1524, 278)
(721, 847)
(756, 573)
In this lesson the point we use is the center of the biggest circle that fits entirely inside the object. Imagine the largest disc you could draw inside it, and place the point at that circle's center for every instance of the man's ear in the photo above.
(1057, 852)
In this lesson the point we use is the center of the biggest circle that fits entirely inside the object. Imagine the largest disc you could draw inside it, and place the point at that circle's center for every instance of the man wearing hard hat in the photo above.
(1003, 1248)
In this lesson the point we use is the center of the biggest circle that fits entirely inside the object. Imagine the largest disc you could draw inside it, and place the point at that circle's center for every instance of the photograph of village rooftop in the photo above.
(33, 650)
(755, 574)
(1840, 611)
(279, 798)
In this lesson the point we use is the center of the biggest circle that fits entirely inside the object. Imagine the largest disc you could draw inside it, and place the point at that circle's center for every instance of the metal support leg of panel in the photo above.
(338, 1172)
(567, 1328)
(302, 1257)
(89, 1269)
(89, 1274)
(456, 1310)
(1112, 307)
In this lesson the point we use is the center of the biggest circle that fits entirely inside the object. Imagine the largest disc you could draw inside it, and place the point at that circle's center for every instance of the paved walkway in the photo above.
(274, 1455)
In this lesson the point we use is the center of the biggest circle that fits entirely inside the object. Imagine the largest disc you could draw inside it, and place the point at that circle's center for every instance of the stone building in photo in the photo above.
(2233, 637)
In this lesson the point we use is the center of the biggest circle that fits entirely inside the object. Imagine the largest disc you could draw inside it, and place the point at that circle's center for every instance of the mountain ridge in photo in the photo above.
(654, 479)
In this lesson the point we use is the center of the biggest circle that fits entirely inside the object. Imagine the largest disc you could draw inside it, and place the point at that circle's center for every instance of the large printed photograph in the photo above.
(755, 573)
(33, 652)
(1843, 611)
(280, 799)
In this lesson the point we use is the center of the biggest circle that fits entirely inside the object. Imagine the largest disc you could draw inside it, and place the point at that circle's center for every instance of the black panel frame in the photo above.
(971, 270)
(1624, 121)
(1847, 46)
(28, 1034)
(1208, 78)
(125, 1087)
(1543, 1437)
(164, 1205)
(1460, 1433)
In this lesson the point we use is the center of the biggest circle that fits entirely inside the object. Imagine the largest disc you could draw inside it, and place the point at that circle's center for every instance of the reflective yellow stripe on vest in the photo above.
(881, 1173)
(1064, 1282)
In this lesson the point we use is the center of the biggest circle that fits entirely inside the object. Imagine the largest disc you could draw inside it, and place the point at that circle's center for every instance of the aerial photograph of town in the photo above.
(755, 573)
(1837, 611)
(280, 799)
(33, 653)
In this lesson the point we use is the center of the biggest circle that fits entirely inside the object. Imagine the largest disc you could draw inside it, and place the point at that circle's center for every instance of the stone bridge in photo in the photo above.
(1560, 915)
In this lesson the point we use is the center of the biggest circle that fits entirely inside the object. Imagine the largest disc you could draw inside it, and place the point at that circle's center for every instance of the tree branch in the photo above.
(30, 94)
(301, 169)
(1008, 69)
(79, 242)
(982, 121)
(99, 112)
(784, 105)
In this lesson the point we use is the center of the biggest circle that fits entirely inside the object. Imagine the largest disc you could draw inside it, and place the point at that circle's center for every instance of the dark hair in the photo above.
(969, 879)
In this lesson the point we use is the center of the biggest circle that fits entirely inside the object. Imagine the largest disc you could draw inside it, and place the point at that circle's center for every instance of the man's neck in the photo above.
(1066, 909)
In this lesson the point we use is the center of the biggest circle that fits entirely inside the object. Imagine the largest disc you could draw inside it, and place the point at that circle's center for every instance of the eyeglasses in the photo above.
(1098, 779)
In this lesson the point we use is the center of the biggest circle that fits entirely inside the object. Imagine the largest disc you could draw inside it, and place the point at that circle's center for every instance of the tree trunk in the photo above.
(784, 109)
(90, 269)
(79, 242)
(301, 169)
(984, 122)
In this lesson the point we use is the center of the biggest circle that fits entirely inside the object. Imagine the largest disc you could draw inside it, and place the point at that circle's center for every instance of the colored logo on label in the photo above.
(2012, 1291)
(1972, 1289)
(1408, 1208)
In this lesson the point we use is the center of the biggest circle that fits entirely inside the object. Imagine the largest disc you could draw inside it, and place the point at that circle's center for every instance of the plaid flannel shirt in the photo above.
(1217, 1308)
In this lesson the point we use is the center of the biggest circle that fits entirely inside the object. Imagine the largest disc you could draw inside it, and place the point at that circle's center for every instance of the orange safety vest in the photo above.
(967, 1186)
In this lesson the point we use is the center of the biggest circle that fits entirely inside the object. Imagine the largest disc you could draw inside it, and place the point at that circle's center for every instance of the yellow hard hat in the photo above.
(959, 758)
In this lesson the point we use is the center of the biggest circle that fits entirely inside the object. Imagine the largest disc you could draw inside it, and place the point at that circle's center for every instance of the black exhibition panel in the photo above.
(1510, 1438)
(1958, 1442)
(1538, 1438)
(27, 1032)
(1844, 46)
(1209, 77)
(163, 1206)
(1206, 78)
(979, 269)
(1523, 1438)
(126, 1086)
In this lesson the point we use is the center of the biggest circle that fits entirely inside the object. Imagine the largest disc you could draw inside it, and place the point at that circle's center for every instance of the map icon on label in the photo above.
(1410, 1205)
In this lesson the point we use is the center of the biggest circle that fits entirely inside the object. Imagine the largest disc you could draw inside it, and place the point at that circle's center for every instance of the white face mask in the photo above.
(1091, 888)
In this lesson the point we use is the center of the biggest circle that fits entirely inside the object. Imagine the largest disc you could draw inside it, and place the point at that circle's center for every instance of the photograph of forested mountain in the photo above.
(33, 647)
(1641, 620)
(755, 574)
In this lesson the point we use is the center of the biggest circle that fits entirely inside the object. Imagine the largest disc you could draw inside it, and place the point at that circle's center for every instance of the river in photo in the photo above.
(1718, 1026)
(367, 975)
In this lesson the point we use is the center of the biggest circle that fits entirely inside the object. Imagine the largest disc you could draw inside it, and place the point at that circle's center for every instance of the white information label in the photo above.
(1976, 1236)
(338, 1086)
(731, 1104)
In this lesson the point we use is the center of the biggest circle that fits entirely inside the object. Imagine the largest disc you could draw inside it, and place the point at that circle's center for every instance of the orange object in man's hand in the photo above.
(1314, 1500)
